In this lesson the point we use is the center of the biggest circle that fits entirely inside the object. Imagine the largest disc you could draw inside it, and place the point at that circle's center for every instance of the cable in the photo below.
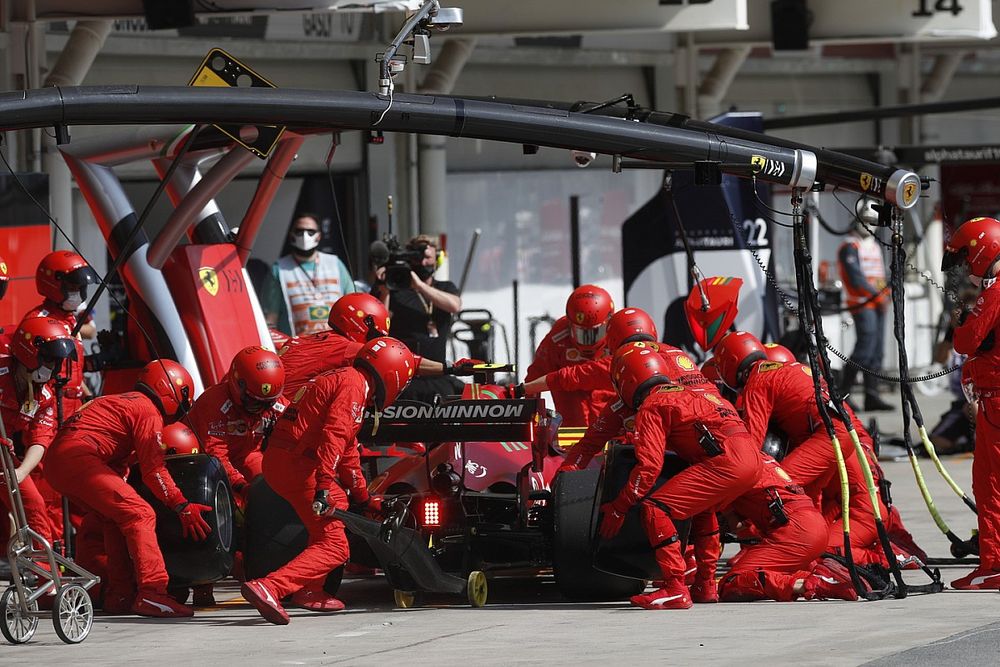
(392, 87)
(336, 205)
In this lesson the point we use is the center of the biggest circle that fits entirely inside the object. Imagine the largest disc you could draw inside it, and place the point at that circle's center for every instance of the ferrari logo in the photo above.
(866, 181)
(265, 389)
(909, 193)
(685, 362)
(3, 268)
(579, 318)
(757, 163)
(712, 398)
(209, 280)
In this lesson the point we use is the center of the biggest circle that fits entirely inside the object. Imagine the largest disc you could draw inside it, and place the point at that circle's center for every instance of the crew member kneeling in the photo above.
(88, 462)
(312, 447)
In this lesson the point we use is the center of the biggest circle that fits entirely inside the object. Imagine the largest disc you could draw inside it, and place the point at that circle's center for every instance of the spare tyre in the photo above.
(274, 535)
(574, 513)
(202, 480)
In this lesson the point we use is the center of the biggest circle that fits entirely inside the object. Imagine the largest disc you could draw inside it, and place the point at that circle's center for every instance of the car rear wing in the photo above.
(459, 420)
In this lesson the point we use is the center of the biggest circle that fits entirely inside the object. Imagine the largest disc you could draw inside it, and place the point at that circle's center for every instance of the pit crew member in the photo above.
(311, 448)
(90, 457)
(725, 468)
(27, 405)
(575, 339)
(977, 244)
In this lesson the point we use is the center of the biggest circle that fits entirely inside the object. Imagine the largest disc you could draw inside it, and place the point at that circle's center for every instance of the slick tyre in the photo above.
(575, 521)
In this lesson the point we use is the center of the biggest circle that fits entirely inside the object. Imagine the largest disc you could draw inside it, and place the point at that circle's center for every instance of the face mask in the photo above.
(72, 302)
(41, 375)
(305, 242)
(424, 272)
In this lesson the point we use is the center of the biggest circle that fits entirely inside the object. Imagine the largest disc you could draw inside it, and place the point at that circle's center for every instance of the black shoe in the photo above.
(876, 404)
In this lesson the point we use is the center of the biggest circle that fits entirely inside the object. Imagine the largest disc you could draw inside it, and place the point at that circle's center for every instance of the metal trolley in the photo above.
(72, 611)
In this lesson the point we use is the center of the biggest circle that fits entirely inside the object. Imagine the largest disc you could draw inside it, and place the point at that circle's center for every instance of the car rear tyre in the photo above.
(575, 521)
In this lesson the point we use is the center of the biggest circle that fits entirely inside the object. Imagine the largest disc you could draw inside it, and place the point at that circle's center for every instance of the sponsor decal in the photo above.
(685, 362)
(572, 354)
(209, 280)
(299, 394)
(265, 389)
(629, 424)
(470, 411)
(757, 162)
(475, 469)
(769, 366)
(909, 193)
(712, 398)
(668, 388)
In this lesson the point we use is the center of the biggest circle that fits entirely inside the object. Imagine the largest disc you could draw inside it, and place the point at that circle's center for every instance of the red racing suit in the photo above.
(673, 418)
(782, 395)
(976, 337)
(312, 447)
(88, 463)
(230, 433)
(788, 546)
(305, 357)
(578, 407)
(73, 391)
(34, 423)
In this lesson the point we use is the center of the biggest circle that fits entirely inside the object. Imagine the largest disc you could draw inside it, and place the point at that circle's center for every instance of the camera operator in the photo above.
(421, 313)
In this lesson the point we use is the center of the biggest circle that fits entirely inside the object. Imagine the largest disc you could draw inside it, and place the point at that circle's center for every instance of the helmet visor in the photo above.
(78, 279)
(589, 336)
(57, 350)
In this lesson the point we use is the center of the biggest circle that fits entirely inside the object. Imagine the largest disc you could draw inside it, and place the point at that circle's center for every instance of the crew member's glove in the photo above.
(193, 524)
(465, 364)
(612, 518)
(370, 507)
(517, 390)
(321, 503)
(568, 466)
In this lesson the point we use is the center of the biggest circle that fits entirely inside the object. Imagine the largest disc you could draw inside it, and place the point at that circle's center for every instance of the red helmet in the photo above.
(168, 385)
(588, 310)
(359, 316)
(4, 278)
(628, 325)
(178, 439)
(710, 369)
(42, 341)
(389, 365)
(977, 243)
(734, 354)
(635, 369)
(778, 352)
(62, 272)
(256, 378)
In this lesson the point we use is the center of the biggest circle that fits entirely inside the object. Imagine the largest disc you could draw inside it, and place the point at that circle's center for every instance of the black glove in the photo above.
(988, 342)
(321, 505)
(518, 390)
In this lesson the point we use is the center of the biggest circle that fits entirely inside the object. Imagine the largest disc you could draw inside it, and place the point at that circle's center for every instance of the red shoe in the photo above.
(675, 597)
(159, 605)
(830, 583)
(266, 604)
(690, 566)
(978, 580)
(316, 601)
(704, 591)
(204, 596)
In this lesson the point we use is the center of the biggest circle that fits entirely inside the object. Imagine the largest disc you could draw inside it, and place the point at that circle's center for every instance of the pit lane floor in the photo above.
(526, 622)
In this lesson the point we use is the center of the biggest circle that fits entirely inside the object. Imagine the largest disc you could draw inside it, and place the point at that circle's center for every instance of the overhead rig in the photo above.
(652, 136)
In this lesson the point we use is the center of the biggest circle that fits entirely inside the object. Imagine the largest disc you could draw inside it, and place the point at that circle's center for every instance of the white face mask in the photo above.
(72, 302)
(41, 375)
(305, 242)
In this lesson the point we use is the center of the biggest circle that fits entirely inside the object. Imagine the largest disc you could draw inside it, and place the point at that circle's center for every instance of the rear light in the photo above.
(432, 513)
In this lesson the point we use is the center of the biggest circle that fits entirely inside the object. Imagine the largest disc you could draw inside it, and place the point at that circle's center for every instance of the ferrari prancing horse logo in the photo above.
(209, 280)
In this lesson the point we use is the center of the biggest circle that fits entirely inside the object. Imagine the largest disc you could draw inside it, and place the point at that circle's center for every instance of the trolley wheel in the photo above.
(406, 599)
(476, 588)
(72, 613)
(16, 628)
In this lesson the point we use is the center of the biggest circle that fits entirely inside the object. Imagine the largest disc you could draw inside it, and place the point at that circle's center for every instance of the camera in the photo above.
(397, 260)
(583, 158)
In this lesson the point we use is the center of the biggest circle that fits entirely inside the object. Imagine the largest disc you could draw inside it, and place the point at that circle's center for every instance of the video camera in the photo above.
(397, 260)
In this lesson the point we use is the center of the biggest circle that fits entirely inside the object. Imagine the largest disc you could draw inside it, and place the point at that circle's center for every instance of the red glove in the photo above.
(612, 518)
(370, 506)
(468, 362)
(194, 525)
(568, 466)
